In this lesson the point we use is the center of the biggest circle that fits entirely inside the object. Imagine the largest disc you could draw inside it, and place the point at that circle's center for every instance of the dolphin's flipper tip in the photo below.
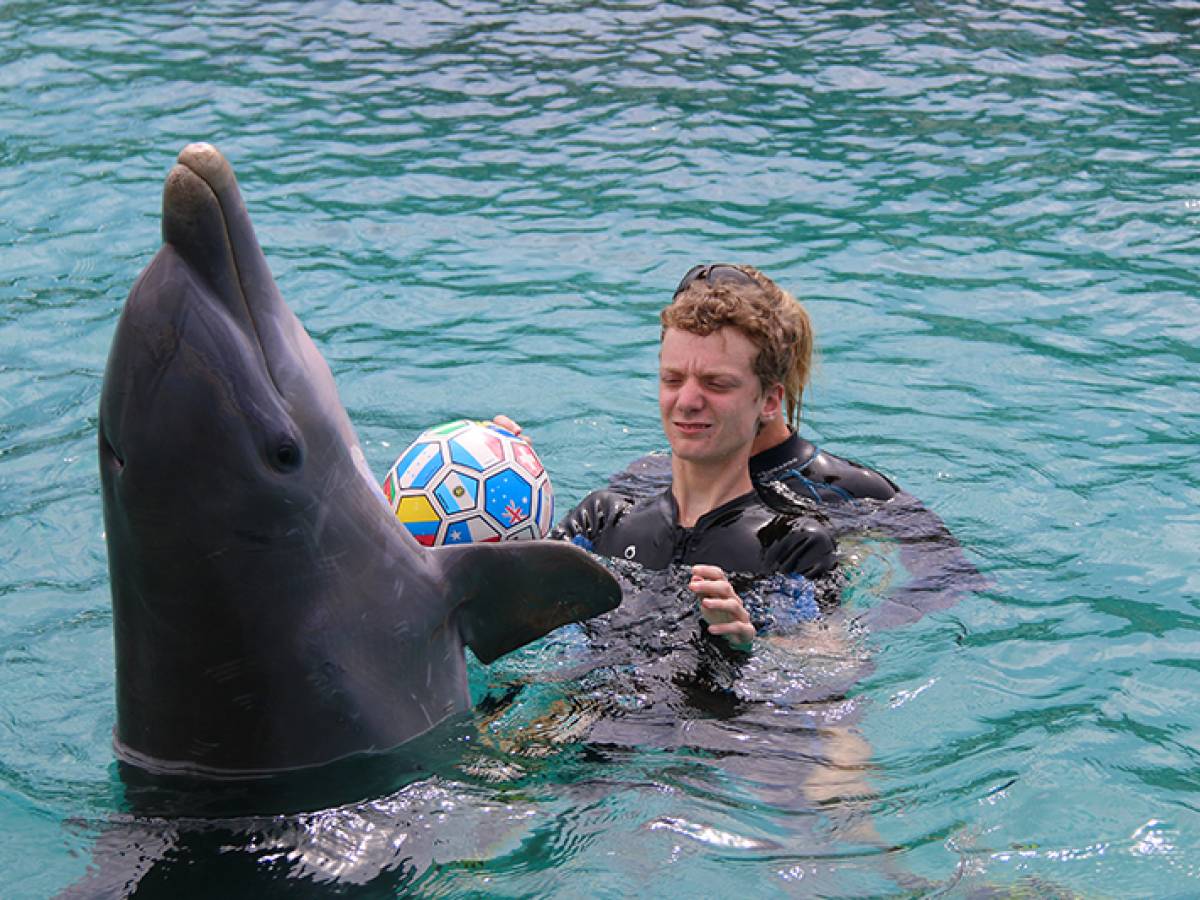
(519, 591)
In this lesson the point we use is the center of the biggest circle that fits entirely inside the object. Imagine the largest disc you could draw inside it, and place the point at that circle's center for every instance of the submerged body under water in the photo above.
(781, 722)
(643, 680)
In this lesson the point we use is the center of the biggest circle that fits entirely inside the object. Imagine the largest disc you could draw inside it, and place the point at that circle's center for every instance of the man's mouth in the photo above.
(692, 427)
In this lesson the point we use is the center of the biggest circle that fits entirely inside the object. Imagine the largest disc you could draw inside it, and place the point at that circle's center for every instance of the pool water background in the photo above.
(991, 211)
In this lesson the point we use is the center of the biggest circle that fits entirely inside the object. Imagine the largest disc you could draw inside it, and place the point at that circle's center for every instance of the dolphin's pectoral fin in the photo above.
(517, 592)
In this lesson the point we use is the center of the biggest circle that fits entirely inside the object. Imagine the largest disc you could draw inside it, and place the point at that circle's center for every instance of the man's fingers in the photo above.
(721, 607)
(730, 609)
(711, 587)
(737, 629)
(509, 425)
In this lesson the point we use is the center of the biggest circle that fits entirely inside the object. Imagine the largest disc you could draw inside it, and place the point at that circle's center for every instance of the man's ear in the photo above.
(772, 404)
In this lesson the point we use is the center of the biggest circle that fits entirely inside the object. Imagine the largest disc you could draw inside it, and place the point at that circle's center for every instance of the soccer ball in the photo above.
(466, 482)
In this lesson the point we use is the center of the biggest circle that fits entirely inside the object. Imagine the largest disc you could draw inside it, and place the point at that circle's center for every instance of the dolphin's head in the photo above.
(236, 497)
(218, 414)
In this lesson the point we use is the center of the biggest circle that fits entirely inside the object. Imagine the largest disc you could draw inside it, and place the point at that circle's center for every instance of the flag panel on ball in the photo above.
(449, 428)
(418, 466)
(508, 498)
(419, 517)
(527, 459)
(471, 531)
(478, 449)
(457, 492)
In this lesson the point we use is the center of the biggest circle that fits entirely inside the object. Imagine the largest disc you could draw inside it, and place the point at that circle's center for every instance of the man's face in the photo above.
(708, 395)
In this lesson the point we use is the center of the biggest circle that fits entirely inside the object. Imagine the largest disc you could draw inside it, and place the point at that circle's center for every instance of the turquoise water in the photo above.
(992, 212)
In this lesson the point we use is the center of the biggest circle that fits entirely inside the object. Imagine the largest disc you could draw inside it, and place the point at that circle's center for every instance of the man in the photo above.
(725, 357)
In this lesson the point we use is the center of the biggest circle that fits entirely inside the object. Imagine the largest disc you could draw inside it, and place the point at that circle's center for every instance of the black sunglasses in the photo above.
(714, 274)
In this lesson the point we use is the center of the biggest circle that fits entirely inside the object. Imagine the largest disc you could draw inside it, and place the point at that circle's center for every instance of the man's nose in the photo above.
(691, 394)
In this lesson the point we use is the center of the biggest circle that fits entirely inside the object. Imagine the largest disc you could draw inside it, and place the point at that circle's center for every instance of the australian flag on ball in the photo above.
(509, 498)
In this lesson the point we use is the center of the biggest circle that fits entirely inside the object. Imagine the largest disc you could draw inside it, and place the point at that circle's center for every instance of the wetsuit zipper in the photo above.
(683, 538)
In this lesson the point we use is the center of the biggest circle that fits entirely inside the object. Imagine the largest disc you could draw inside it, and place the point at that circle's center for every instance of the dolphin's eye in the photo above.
(287, 456)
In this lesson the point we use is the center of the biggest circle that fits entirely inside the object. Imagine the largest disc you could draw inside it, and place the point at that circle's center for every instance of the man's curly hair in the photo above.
(772, 319)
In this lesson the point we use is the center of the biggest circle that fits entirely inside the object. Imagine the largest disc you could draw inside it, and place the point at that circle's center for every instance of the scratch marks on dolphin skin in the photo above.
(200, 748)
(402, 628)
(254, 537)
(318, 524)
(421, 706)
(237, 671)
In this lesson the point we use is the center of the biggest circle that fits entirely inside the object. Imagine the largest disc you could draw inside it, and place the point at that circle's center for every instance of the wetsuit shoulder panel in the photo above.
(807, 548)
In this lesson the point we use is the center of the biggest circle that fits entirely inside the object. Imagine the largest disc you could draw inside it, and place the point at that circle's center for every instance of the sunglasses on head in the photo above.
(714, 274)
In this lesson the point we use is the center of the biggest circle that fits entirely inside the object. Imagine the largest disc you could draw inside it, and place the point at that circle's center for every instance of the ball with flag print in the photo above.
(465, 482)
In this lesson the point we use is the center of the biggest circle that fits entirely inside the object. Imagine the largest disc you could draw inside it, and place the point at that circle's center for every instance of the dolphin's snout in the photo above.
(199, 178)
(205, 221)
(209, 163)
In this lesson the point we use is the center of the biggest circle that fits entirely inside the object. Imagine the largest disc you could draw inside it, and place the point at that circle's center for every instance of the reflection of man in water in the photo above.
(728, 357)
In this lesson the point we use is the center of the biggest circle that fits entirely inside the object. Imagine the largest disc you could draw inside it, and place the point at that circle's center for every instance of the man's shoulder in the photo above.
(751, 536)
(812, 473)
(600, 511)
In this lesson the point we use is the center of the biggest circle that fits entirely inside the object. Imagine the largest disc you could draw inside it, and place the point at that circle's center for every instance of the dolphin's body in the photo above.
(269, 612)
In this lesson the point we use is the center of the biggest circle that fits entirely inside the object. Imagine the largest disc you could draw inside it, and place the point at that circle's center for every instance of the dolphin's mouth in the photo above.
(109, 452)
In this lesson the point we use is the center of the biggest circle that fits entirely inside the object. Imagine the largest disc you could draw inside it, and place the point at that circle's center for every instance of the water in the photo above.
(991, 211)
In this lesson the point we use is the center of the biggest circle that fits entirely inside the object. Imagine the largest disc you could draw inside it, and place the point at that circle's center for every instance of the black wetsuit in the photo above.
(796, 478)
(743, 535)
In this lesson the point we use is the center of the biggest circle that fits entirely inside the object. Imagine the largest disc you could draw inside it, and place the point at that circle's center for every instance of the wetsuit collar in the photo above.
(740, 502)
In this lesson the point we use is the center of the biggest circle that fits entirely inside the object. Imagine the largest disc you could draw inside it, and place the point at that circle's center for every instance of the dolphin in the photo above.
(269, 612)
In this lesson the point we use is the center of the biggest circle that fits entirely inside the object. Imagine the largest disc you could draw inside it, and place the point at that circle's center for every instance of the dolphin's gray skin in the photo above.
(269, 612)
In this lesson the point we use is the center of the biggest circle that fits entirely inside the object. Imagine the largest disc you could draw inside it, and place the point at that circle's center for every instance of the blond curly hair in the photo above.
(769, 316)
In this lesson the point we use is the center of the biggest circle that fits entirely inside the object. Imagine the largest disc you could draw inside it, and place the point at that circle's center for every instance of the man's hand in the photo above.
(721, 607)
